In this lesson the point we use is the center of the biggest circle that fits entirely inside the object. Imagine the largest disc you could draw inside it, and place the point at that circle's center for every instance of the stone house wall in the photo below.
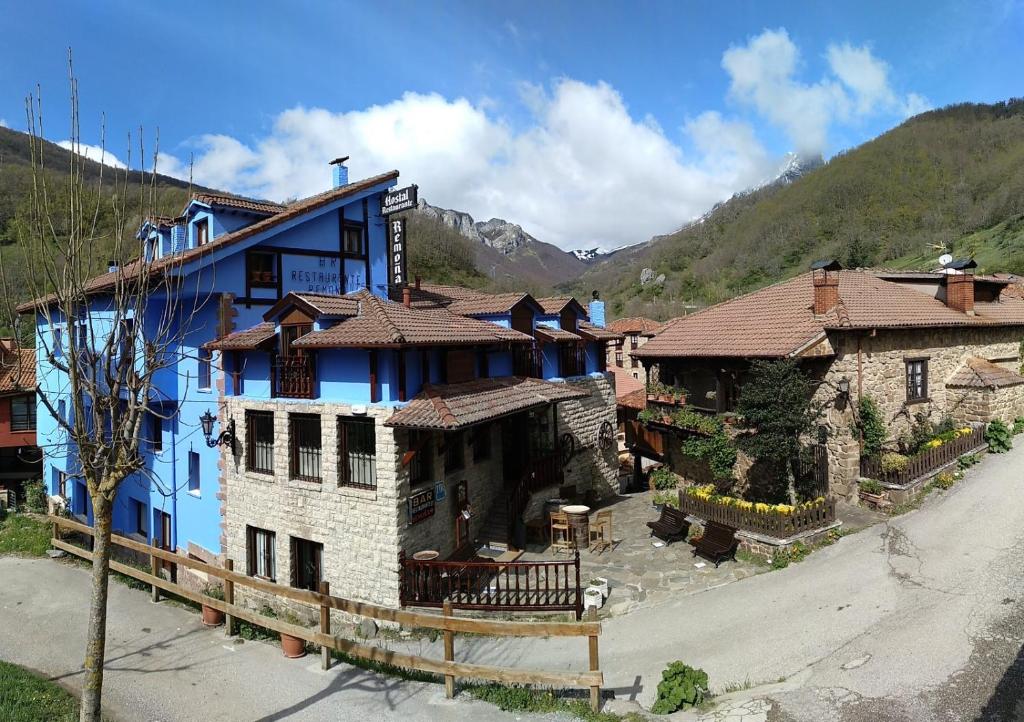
(984, 404)
(591, 468)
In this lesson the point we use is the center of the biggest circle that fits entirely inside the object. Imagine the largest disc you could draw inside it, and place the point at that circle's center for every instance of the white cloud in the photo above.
(764, 75)
(93, 152)
(3, 123)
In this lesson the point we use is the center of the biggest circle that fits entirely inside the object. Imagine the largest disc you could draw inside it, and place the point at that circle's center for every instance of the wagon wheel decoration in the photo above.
(567, 447)
(605, 435)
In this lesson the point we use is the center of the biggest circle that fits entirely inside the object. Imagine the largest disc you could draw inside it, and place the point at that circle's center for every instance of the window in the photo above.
(23, 413)
(357, 453)
(453, 452)
(58, 341)
(259, 433)
(259, 549)
(156, 432)
(62, 410)
(633, 342)
(307, 564)
(618, 359)
(352, 240)
(205, 356)
(917, 379)
(193, 472)
(262, 269)
(202, 232)
(305, 446)
(481, 442)
(62, 484)
(421, 466)
(570, 360)
(140, 517)
(83, 337)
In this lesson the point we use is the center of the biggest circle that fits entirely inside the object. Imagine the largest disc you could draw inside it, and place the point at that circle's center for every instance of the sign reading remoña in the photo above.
(401, 199)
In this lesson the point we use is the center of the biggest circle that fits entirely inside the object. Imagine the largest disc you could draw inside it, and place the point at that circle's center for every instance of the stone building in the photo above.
(922, 345)
(636, 330)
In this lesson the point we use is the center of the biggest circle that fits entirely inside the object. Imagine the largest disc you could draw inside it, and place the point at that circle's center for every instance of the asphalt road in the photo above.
(919, 618)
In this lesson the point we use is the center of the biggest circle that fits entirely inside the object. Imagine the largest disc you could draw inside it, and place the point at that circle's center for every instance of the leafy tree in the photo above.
(777, 409)
(870, 426)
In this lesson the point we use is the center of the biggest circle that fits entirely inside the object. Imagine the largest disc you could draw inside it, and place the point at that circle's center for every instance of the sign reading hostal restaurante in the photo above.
(401, 199)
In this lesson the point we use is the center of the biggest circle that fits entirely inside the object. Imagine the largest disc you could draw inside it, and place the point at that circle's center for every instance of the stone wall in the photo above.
(984, 404)
(591, 469)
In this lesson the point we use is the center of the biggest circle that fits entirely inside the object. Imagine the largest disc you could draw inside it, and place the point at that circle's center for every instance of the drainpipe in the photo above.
(860, 370)
(174, 491)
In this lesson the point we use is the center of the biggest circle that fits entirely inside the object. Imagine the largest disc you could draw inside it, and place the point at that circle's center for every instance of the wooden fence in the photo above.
(448, 668)
(494, 586)
(927, 461)
(773, 524)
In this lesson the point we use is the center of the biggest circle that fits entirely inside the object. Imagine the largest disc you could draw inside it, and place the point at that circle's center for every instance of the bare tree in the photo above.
(102, 340)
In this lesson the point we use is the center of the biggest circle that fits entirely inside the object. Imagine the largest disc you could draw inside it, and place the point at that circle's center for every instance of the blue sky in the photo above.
(589, 123)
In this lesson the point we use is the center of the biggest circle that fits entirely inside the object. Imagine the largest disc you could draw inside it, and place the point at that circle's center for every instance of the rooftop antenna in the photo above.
(945, 259)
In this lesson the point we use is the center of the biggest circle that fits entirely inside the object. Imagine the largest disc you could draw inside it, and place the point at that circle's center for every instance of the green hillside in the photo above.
(950, 178)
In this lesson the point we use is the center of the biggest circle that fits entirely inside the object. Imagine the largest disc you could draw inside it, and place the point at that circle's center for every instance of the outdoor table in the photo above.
(427, 555)
(579, 520)
(422, 582)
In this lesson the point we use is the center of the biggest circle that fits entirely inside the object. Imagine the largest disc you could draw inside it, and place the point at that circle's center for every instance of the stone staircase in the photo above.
(495, 531)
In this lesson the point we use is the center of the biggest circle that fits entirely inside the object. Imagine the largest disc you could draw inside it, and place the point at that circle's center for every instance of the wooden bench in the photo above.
(717, 544)
(671, 525)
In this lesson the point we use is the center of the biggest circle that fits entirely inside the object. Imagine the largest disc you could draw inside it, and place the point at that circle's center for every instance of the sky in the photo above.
(591, 124)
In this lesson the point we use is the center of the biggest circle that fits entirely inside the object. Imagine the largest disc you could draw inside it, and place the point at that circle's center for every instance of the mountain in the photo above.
(949, 179)
(507, 253)
(589, 254)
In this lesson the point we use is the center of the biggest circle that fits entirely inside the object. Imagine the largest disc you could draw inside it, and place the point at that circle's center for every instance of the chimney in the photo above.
(960, 291)
(340, 174)
(826, 285)
(596, 310)
(407, 297)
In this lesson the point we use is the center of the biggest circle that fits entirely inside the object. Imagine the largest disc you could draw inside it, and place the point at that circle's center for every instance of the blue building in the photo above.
(371, 417)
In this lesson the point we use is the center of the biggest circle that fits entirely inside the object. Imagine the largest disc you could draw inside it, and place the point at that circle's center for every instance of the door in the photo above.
(163, 523)
(514, 448)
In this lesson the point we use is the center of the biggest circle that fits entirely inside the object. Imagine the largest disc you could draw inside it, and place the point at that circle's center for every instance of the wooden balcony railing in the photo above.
(292, 377)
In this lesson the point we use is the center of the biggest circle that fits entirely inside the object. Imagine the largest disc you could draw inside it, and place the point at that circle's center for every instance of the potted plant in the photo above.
(679, 395)
(600, 584)
(871, 491)
(593, 598)
(293, 647)
(213, 617)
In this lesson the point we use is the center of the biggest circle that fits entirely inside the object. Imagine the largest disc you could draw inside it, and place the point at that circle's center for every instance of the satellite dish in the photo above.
(945, 259)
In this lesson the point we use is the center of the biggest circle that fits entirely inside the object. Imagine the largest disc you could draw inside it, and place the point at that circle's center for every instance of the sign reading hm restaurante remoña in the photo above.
(401, 199)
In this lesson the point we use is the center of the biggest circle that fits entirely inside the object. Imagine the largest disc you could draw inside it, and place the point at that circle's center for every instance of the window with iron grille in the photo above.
(259, 441)
(454, 456)
(306, 446)
(917, 379)
(307, 564)
(23, 413)
(260, 553)
(357, 452)
(481, 442)
(421, 466)
(205, 357)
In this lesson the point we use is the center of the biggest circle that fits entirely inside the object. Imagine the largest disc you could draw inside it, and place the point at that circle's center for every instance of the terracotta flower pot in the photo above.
(293, 647)
(212, 617)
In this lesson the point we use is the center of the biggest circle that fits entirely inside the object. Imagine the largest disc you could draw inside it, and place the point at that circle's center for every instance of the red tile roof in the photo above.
(635, 325)
(455, 406)
(246, 204)
(633, 400)
(17, 370)
(556, 335)
(981, 373)
(625, 384)
(317, 304)
(246, 340)
(554, 305)
(779, 321)
(597, 333)
(489, 303)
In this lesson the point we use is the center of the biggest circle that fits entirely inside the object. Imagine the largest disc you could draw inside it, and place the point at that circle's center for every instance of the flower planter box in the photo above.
(600, 584)
(293, 647)
(592, 598)
(212, 617)
(874, 500)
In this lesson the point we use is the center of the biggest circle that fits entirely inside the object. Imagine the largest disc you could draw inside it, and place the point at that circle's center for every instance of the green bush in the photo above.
(870, 426)
(1018, 425)
(894, 463)
(998, 437)
(718, 450)
(214, 591)
(871, 486)
(681, 686)
(945, 480)
(663, 479)
(968, 460)
(35, 496)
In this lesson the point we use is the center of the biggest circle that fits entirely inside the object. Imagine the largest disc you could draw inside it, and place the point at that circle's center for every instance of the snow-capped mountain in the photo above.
(589, 254)
(792, 167)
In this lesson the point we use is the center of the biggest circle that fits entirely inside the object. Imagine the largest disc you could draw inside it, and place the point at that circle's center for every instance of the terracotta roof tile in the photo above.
(633, 400)
(245, 340)
(455, 406)
(553, 305)
(488, 304)
(597, 333)
(635, 325)
(246, 204)
(17, 370)
(330, 305)
(981, 373)
(557, 335)
(625, 384)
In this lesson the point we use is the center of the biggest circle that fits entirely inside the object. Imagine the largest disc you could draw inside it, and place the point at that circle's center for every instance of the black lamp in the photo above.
(226, 437)
(844, 386)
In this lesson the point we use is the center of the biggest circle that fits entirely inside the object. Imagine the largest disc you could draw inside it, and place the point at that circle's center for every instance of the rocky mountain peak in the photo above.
(497, 233)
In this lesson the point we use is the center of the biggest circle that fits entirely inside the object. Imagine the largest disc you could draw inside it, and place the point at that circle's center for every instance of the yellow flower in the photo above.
(966, 430)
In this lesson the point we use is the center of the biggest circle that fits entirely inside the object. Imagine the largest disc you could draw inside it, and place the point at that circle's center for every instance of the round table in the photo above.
(427, 555)
(579, 520)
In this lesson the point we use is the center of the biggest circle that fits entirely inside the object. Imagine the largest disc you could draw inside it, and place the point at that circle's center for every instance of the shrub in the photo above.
(667, 498)
(35, 496)
(870, 426)
(214, 591)
(1018, 425)
(718, 450)
(894, 463)
(998, 437)
(968, 460)
(871, 486)
(681, 686)
(663, 479)
(945, 480)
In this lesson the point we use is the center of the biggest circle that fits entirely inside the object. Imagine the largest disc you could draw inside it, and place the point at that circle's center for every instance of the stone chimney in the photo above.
(407, 297)
(960, 291)
(825, 275)
(340, 175)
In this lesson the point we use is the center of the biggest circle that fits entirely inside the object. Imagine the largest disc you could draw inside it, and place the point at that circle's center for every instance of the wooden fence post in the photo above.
(325, 626)
(449, 651)
(579, 589)
(595, 665)
(229, 598)
(154, 569)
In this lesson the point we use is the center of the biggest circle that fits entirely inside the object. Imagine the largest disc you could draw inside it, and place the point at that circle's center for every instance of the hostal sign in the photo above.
(401, 199)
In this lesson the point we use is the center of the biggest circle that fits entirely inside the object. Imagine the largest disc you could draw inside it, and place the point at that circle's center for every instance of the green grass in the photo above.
(25, 535)
(27, 697)
(541, 701)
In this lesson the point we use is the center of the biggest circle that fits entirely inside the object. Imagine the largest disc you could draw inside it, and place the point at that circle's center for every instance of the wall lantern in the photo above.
(844, 386)
(226, 437)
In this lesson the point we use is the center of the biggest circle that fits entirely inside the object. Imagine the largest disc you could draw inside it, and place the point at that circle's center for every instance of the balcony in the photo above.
(292, 377)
